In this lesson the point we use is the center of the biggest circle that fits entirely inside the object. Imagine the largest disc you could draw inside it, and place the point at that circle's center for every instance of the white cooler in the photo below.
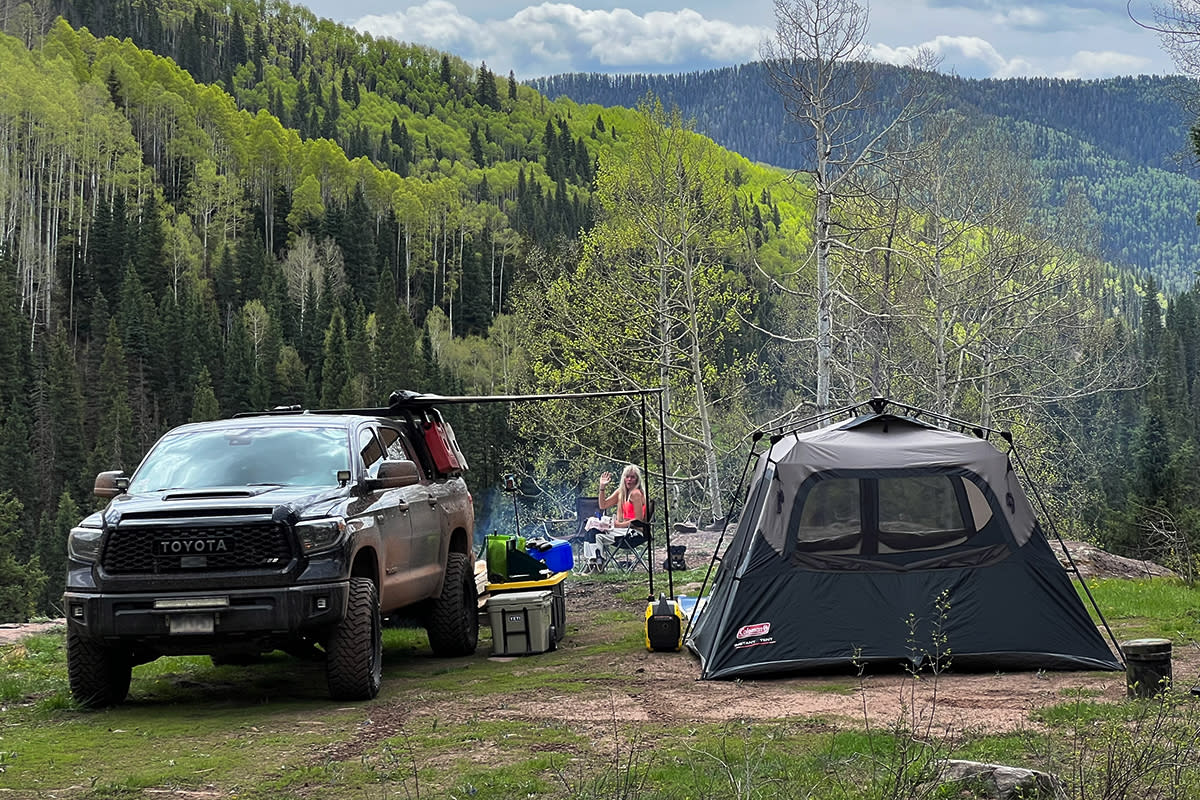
(520, 622)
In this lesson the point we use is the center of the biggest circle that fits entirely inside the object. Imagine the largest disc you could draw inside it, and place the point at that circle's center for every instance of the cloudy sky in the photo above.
(974, 38)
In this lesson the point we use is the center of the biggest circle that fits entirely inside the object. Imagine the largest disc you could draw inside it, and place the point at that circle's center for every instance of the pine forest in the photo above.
(211, 208)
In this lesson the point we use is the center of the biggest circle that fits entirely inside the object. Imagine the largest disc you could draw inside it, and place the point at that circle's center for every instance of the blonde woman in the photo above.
(629, 498)
(630, 501)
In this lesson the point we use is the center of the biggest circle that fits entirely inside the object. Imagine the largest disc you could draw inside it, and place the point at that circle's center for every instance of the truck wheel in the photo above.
(99, 674)
(354, 652)
(453, 623)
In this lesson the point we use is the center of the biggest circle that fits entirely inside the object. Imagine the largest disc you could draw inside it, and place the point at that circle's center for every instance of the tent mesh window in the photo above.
(922, 513)
(831, 521)
(889, 514)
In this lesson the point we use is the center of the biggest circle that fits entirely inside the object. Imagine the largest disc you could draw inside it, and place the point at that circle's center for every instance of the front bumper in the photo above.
(204, 621)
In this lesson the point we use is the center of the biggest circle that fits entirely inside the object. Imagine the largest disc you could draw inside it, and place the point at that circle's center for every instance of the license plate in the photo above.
(190, 623)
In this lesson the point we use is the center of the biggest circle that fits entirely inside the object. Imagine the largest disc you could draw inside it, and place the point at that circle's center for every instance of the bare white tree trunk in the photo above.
(824, 302)
(817, 64)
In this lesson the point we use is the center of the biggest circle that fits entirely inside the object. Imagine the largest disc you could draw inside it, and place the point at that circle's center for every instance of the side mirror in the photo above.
(110, 484)
(393, 475)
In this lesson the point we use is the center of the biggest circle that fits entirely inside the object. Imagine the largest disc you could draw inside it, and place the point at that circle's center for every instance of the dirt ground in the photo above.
(12, 632)
(664, 687)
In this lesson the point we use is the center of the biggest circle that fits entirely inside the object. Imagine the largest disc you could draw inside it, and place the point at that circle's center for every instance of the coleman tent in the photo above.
(885, 539)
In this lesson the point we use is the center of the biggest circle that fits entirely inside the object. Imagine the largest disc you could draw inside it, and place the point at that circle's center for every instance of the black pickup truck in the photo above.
(290, 530)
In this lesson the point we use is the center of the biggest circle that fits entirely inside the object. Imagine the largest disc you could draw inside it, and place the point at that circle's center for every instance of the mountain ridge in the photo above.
(1124, 140)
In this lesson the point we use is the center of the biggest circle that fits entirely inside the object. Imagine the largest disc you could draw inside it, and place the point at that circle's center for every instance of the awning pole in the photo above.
(662, 444)
(646, 497)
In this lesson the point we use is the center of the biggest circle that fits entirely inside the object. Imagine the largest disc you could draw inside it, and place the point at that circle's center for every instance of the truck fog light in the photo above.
(322, 603)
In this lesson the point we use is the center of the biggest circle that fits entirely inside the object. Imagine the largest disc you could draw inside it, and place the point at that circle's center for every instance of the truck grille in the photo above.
(197, 548)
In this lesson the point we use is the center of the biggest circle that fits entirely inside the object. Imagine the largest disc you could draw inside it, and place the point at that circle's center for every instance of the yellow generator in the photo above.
(664, 624)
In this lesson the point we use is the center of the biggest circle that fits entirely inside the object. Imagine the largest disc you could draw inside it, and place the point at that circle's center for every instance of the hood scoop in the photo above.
(204, 494)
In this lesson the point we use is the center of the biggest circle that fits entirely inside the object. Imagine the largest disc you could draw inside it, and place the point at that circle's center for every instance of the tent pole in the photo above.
(814, 420)
(979, 431)
(879, 405)
(750, 458)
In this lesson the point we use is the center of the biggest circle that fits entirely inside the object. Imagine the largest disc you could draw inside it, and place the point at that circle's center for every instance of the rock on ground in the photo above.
(1096, 563)
(1001, 782)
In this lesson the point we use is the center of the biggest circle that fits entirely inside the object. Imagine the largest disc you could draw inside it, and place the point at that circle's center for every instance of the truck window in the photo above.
(397, 447)
(298, 455)
(371, 451)
(387, 437)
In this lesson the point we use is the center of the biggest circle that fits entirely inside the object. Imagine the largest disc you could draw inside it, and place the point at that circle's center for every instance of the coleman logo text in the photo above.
(758, 629)
(190, 547)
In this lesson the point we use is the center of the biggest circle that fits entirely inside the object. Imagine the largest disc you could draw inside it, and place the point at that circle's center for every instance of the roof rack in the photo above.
(407, 401)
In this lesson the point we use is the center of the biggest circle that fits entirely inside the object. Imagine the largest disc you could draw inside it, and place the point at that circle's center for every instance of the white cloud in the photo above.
(1022, 17)
(976, 57)
(1090, 64)
(434, 21)
(559, 37)
(958, 49)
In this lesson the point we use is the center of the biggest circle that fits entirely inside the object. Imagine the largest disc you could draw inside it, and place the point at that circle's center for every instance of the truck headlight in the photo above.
(321, 534)
(83, 544)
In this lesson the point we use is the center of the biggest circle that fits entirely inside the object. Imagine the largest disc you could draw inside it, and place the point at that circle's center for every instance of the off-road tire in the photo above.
(453, 622)
(354, 651)
(98, 673)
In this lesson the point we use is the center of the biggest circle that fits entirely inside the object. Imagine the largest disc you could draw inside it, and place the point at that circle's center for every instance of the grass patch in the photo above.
(1149, 607)
(32, 672)
(138, 745)
(1082, 712)
(463, 727)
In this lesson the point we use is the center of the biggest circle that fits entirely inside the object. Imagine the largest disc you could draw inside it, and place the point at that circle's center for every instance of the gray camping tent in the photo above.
(888, 540)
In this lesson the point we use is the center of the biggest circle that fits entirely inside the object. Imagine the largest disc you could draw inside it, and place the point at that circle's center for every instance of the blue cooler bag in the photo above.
(555, 554)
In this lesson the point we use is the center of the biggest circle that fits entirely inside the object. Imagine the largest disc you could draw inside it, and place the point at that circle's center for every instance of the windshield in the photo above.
(250, 456)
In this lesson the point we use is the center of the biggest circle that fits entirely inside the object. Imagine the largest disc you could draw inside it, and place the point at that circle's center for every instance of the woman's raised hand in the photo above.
(605, 478)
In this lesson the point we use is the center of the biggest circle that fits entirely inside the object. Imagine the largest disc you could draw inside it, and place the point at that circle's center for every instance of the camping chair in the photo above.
(583, 542)
(632, 550)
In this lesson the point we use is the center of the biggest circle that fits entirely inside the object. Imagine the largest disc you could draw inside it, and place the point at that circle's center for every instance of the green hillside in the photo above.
(208, 209)
(330, 219)
(1123, 140)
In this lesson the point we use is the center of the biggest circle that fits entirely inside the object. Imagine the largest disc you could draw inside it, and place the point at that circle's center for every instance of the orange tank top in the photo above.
(627, 511)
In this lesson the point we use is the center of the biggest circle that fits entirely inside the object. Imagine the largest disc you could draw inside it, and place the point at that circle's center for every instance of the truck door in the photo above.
(388, 512)
(425, 557)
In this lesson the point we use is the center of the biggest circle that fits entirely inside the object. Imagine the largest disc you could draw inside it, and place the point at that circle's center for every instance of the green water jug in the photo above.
(498, 546)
